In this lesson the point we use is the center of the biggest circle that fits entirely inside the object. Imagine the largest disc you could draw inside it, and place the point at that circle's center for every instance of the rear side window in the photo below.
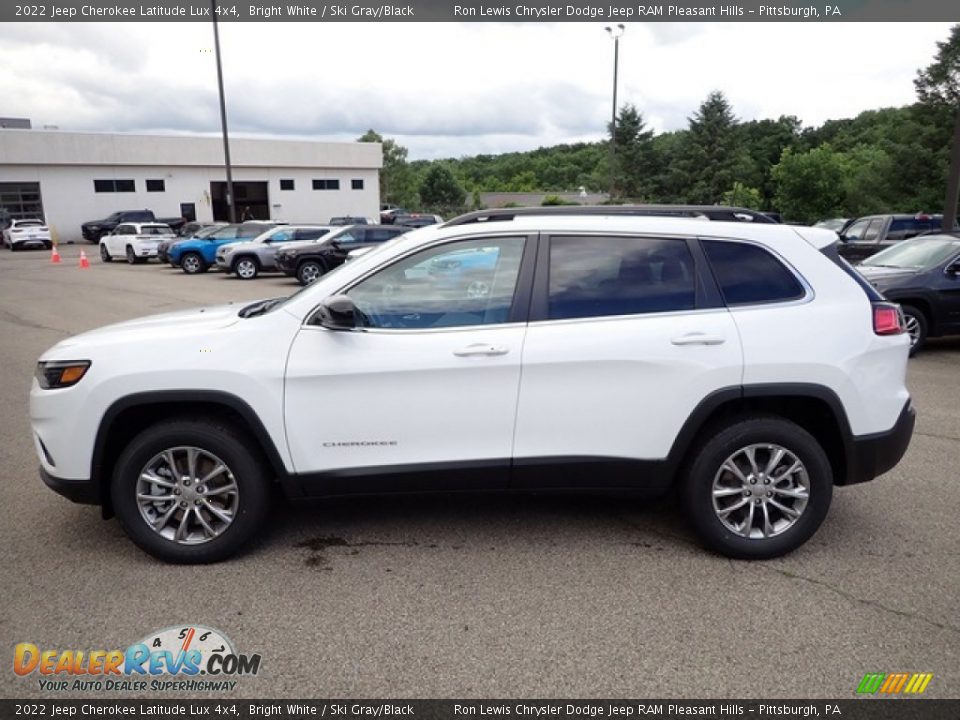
(608, 276)
(748, 274)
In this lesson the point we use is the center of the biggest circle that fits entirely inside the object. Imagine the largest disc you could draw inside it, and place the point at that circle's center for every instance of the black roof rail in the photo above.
(710, 212)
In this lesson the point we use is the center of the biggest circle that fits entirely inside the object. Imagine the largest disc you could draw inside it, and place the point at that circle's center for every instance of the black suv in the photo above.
(870, 234)
(309, 262)
(923, 275)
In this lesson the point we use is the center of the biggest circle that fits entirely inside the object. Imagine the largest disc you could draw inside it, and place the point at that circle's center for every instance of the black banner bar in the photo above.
(478, 11)
(860, 709)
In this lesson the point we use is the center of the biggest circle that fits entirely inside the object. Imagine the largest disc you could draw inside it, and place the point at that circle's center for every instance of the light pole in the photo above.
(616, 34)
(231, 206)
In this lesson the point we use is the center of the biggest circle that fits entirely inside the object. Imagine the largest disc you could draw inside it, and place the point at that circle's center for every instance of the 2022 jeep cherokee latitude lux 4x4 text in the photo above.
(746, 364)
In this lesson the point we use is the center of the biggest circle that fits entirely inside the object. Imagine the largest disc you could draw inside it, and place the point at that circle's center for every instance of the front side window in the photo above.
(459, 284)
(873, 231)
(311, 233)
(855, 232)
(609, 276)
(748, 274)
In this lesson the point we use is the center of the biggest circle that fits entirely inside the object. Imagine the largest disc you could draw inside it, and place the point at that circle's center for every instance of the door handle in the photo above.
(697, 338)
(481, 349)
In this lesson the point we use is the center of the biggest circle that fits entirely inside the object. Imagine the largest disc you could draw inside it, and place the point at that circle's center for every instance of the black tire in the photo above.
(105, 254)
(131, 256)
(246, 268)
(697, 484)
(250, 473)
(309, 271)
(192, 263)
(919, 339)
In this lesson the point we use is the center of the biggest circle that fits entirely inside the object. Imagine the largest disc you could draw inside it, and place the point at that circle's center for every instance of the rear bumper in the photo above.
(85, 492)
(872, 455)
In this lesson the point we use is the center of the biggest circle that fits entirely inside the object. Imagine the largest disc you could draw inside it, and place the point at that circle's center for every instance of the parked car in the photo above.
(137, 242)
(164, 246)
(249, 259)
(27, 233)
(417, 220)
(868, 235)
(349, 220)
(922, 275)
(835, 224)
(95, 229)
(389, 211)
(744, 364)
(196, 255)
(309, 262)
(190, 229)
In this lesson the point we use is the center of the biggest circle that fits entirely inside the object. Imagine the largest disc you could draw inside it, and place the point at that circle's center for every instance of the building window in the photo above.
(326, 184)
(156, 186)
(286, 184)
(104, 186)
(356, 184)
(20, 201)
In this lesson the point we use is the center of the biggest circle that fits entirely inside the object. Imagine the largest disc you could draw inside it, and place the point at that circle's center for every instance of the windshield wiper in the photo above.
(260, 307)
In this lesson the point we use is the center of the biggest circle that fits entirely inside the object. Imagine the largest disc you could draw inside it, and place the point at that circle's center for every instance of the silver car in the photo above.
(248, 259)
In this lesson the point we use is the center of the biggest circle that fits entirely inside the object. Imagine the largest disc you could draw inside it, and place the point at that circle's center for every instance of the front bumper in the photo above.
(85, 492)
(223, 263)
(872, 455)
(287, 266)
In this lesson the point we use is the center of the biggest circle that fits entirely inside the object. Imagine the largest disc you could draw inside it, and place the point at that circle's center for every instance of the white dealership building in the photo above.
(69, 178)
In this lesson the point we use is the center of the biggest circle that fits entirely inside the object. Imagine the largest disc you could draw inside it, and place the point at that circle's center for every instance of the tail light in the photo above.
(888, 319)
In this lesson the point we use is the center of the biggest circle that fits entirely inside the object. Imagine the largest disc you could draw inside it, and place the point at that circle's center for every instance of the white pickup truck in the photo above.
(138, 242)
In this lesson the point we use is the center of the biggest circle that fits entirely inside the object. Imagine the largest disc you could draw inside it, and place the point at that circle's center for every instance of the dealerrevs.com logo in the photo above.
(181, 658)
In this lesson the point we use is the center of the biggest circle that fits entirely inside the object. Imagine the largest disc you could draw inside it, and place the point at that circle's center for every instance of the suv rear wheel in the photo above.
(916, 327)
(759, 488)
(190, 491)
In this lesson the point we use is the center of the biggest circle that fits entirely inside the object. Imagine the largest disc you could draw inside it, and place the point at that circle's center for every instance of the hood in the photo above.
(150, 329)
(885, 275)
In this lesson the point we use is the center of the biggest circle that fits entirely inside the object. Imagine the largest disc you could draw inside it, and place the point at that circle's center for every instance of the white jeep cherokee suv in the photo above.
(746, 364)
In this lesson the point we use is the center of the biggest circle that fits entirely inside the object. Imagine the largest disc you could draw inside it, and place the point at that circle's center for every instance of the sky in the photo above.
(448, 89)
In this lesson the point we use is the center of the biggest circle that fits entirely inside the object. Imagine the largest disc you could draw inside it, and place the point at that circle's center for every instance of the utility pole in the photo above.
(616, 35)
(231, 205)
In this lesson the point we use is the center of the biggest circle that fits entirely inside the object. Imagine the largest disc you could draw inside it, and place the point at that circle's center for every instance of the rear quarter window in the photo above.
(749, 274)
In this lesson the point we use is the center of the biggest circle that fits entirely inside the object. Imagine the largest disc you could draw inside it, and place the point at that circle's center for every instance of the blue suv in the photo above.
(197, 254)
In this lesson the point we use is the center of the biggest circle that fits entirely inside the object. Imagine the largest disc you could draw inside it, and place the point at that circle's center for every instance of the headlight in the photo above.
(61, 373)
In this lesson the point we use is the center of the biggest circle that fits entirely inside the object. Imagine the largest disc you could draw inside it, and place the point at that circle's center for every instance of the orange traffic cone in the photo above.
(84, 263)
(54, 255)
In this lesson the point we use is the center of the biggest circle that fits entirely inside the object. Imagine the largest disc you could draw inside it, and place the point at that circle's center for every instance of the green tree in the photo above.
(711, 157)
(742, 196)
(397, 182)
(441, 191)
(810, 185)
(939, 84)
(634, 158)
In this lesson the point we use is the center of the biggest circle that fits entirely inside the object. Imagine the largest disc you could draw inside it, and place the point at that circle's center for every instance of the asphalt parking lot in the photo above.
(525, 596)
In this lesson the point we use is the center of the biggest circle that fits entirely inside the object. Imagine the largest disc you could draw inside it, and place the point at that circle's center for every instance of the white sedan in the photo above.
(27, 233)
(137, 242)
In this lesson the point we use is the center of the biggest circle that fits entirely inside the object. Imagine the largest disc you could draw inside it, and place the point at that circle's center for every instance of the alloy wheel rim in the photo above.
(187, 495)
(310, 273)
(245, 269)
(913, 329)
(761, 491)
(190, 263)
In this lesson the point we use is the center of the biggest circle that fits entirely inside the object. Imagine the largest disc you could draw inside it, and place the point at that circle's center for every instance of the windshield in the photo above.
(924, 253)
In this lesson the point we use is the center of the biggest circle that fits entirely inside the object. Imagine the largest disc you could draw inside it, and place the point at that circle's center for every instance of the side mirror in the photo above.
(953, 269)
(337, 312)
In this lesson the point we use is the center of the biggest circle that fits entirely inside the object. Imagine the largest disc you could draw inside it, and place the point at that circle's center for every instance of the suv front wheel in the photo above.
(759, 488)
(190, 491)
